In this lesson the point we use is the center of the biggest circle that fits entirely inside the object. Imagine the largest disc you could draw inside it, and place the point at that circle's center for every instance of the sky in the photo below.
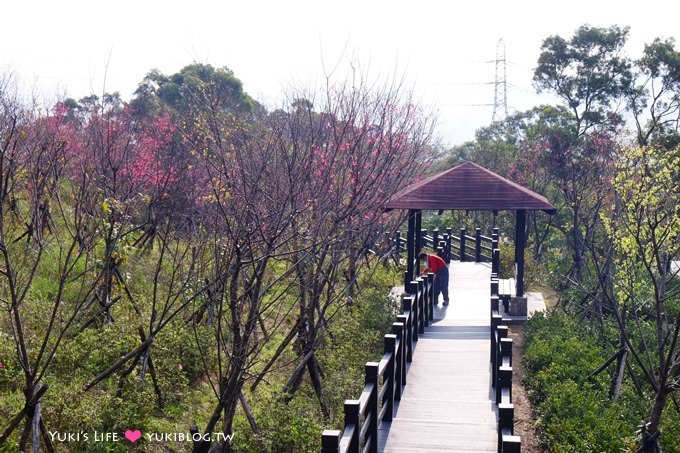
(445, 50)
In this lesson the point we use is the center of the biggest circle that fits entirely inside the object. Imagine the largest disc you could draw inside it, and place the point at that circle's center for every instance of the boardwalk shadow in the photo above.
(456, 332)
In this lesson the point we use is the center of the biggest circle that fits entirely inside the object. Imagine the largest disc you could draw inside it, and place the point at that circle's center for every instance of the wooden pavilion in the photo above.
(469, 187)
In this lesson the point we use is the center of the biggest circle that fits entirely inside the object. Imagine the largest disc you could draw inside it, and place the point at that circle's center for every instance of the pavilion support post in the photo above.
(419, 238)
(520, 244)
(410, 250)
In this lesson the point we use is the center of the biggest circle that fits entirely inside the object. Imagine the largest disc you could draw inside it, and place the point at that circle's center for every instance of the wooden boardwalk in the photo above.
(447, 404)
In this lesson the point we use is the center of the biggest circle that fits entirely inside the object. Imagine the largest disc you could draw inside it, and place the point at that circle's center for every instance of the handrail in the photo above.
(501, 371)
(476, 248)
(376, 402)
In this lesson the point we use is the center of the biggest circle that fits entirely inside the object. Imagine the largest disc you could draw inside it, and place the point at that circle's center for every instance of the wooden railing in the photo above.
(384, 380)
(477, 248)
(439, 243)
(501, 369)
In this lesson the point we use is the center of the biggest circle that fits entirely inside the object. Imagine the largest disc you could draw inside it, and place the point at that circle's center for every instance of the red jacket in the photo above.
(433, 264)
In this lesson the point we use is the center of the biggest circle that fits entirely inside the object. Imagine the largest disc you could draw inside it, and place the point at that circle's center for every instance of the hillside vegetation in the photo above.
(187, 271)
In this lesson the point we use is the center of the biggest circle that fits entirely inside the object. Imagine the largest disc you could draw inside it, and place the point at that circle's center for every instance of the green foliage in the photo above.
(534, 273)
(10, 371)
(95, 349)
(670, 428)
(575, 413)
(357, 338)
(574, 418)
(195, 82)
(285, 427)
(377, 311)
(557, 348)
(588, 71)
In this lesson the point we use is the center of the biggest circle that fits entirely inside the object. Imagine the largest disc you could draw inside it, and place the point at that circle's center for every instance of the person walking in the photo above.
(438, 267)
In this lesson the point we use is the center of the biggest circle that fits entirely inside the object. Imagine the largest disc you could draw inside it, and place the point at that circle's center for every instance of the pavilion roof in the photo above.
(469, 186)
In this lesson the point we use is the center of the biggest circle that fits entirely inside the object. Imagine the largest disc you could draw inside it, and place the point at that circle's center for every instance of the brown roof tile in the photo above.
(469, 186)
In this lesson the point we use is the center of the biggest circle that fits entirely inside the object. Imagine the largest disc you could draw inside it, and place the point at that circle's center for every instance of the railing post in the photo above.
(435, 239)
(500, 333)
(449, 233)
(462, 245)
(496, 320)
(407, 282)
(422, 314)
(400, 362)
(404, 347)
(373, 406)
(494, 286)
(511, 444)
(330, 441)
(426, 299)
(495, 262)
(395, 245)
(506, 419)
(430, 296)
(504, 381)
(415, 310)
(507, 442)
(389, 380)
(504, 371)
(407, 304)
(478, 245)
(506, 347)
(352, 417)
(495, 305)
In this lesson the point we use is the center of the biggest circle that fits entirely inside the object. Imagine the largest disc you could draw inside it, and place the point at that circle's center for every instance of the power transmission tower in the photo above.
(500, 97)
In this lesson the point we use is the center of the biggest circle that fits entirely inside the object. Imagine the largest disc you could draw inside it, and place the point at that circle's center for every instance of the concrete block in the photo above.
(518, 306)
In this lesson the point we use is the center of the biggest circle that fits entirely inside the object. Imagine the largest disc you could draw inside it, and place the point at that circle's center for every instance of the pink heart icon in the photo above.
(132, 436)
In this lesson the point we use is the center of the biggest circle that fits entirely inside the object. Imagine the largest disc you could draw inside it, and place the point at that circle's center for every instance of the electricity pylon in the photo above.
(500, 97)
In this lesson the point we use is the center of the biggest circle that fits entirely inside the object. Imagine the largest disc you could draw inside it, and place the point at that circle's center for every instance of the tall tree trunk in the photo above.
(651, 438)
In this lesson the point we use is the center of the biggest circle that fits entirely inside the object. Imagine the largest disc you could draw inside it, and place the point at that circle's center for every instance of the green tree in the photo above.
(193, 86)
(589, 72)
(657, 94)
(646, 300)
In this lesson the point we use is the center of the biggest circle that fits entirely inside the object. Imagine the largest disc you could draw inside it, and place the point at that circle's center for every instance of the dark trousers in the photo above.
(441, 284)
